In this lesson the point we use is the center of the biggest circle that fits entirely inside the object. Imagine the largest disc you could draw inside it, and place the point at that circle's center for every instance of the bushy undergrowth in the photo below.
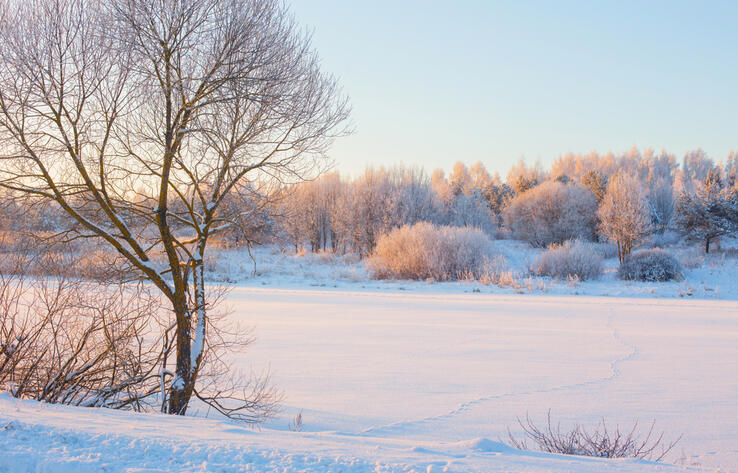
(425, 251)
(662, 240)
(651, 265)
(22, 253)
(572, 259)
(605, 249)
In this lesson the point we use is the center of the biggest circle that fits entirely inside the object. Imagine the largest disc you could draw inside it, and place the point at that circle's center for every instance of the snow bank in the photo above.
(61, 439)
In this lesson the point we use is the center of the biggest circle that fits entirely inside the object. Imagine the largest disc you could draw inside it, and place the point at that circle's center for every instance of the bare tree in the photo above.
(139, 118)
(660, 201)
(624, 214)
(552, 212)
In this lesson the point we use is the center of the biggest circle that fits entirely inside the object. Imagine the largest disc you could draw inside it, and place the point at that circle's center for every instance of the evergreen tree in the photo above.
(709, 212)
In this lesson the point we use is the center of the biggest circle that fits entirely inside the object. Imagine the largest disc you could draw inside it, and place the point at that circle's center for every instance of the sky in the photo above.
(432, 83)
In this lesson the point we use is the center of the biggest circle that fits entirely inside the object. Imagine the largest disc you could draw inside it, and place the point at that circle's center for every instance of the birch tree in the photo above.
(624, 214)
(140, 117)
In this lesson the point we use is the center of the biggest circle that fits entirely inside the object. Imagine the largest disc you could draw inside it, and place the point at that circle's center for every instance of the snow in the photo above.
(706, 276)
(455, 367)
(394, 381)
(58, 439)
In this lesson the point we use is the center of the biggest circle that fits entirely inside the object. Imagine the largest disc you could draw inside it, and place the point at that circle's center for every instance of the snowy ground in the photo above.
(42, 438)
(710, 276)
(394, 381)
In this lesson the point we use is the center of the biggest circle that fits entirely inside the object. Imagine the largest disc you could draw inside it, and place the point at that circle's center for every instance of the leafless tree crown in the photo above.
(139, 118)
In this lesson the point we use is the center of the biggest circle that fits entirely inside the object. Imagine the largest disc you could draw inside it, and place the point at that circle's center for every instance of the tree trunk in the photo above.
(707, 245)
(620, 253)
(190, 347)
(180, 390)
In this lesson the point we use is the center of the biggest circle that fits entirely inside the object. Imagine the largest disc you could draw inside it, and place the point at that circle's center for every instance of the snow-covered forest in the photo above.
(623, 199)
(662, 214)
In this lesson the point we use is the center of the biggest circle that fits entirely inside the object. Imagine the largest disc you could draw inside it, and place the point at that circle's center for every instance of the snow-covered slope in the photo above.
(57, 439)
(393, 381)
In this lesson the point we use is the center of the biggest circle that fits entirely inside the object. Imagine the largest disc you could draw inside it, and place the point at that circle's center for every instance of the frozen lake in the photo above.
(395, 382)
(456, 367)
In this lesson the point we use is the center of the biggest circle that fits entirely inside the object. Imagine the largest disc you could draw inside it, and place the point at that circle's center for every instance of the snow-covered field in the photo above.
(393, 380)
(710, 276)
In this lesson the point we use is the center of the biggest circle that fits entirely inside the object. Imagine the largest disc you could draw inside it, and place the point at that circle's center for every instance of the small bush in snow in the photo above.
(605, 249)
(651, 265)
(424, 251)
(572, 259)
(603, 441)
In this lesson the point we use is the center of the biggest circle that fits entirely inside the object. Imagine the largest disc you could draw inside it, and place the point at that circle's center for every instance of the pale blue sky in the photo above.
(432, 82)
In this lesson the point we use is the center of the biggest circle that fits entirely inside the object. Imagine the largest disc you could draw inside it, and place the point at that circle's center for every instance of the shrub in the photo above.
(650, 265)
(495, 271)
(552, 212)
(603, 441)
(572, 259)
(71, 342)
(605, 249)
(424, 251)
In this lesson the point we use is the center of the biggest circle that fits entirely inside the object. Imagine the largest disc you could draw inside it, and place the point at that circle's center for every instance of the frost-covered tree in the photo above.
(552, 212)
(596, 183)
(497, 195)
(660, 167)
(312, 206)
(709, 212)
(522, 177)
(459, 180)
(305, 216)
(374, 198)
(730, 170)
(139, 118)
(624, 215)
(379, 200)
(660, 200)
(463, 198)
(415, 201)
(349, 214)
(472, 210)
(696, 164)
(440, 187)
(480, 178)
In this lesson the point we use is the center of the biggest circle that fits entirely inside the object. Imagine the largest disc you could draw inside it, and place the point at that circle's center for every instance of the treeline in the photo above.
(622, 198)
(351, 214)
